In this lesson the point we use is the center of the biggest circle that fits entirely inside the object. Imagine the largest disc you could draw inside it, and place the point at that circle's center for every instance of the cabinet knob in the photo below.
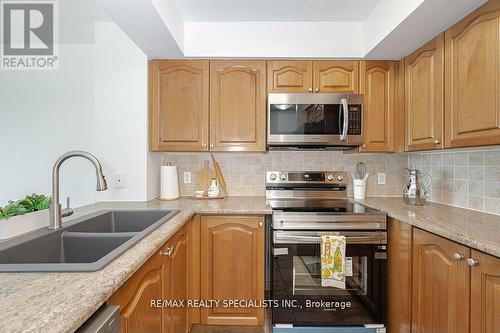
(310, 90)
(167, 253)
(261, 224)
(204, 145)
(437, 141)
(458, 256)
(316, 90)
(472, 262)
(212, 145)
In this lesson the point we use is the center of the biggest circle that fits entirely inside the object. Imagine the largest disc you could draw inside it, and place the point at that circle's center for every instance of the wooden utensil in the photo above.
(219, 176)
(203, 177)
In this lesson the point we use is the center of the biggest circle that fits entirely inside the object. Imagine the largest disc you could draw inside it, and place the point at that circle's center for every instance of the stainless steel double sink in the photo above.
(85, 244)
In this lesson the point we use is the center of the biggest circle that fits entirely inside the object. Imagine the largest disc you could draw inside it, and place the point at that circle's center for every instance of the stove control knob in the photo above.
(329, 178)
(340, 178)
(283, 176)
(273, 176)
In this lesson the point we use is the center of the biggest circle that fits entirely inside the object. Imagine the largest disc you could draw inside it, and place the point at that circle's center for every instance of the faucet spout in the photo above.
(55, 221)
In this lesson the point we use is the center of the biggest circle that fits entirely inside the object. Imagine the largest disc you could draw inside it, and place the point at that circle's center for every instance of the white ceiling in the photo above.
(275, 10)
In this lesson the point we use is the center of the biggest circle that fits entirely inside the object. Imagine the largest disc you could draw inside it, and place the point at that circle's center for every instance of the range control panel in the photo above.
(309, 177)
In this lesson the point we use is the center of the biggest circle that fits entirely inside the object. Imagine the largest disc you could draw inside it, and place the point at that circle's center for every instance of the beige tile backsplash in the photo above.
(245, 172)
(467, 178)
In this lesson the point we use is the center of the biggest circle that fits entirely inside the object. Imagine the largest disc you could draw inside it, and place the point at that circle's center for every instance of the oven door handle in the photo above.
(368, 239)
(345, 112)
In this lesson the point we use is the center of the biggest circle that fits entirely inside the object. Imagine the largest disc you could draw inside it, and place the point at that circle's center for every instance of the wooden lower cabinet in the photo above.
(399, 252)
(232, 268)
(165, 276)
(485, 294)
(440, 288)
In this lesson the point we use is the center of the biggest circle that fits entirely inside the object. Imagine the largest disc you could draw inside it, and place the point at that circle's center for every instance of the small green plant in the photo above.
(31, 203)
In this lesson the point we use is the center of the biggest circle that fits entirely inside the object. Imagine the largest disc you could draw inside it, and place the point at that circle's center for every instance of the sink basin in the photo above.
(83, 245)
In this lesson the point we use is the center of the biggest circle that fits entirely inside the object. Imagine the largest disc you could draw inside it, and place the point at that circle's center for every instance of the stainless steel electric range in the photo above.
(306, 204)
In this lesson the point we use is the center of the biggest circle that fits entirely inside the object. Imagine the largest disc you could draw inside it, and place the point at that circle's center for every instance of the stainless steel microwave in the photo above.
(314, 121)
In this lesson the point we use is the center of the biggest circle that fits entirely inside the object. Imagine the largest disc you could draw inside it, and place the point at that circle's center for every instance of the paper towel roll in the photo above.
(169, 183)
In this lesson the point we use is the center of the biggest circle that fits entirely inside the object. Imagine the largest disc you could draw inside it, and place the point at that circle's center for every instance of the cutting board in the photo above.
(203, 177)
(220, 177)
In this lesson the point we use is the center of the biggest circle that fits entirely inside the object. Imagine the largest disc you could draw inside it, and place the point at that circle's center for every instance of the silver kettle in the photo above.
(416, 190)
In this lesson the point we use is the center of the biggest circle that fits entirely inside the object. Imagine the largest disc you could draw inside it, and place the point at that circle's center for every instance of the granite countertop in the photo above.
(61, 302)
(478, 230)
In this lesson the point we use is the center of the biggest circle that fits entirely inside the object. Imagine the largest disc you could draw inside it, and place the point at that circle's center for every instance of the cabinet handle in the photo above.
(167, 253)
(261, 224)
(458, 256)
(437, 141)
(310, 90)
(316, 90)
(472, 262)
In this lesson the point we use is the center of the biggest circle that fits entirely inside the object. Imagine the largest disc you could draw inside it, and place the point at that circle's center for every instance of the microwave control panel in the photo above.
(355, 119)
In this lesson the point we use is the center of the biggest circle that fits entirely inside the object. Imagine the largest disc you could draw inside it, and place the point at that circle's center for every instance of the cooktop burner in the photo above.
(319, 205)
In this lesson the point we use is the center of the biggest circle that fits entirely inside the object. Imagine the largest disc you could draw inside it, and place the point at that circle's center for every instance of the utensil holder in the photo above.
(359, 188)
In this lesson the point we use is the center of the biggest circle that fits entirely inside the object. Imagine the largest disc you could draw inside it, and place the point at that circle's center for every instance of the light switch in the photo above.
(381, 178)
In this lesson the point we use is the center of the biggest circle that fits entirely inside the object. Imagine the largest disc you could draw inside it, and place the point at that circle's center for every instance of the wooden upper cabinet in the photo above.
(178, 102)
(232, 267)
(289, 76)
(378, 86)
(335, 76)
(237, 105)
(134, 298)
(485, 294)
(473, 79)
(441, 285)
(424, 110)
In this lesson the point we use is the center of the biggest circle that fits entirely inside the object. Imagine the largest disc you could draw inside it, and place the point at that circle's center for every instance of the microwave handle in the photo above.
(369, 239)
(345, 112)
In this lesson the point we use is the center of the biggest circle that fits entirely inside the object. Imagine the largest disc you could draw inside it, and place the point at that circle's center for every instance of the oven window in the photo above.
(297, 276)
(306, 119)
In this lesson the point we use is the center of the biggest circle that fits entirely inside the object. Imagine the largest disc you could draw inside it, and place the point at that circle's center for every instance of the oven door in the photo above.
(296, 279)
(314, 119)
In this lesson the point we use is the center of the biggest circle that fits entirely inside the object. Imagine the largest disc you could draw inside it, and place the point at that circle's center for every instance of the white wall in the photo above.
(96, 101)
(274, 39)
(120, 120)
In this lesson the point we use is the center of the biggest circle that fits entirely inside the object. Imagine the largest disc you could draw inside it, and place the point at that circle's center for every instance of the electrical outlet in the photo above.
(187, 177)
(381, 178)
(120, 180)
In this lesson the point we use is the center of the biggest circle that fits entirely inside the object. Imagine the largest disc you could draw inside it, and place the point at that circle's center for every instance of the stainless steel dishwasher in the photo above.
(105, 320)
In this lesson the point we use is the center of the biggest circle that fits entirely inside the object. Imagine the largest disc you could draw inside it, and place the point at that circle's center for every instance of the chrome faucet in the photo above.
(55, 221)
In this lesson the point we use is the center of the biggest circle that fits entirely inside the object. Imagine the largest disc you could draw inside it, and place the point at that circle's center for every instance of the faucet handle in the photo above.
(67, 211)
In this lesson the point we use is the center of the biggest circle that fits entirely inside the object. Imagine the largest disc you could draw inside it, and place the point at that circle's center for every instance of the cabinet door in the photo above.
(424, 96)
(238, 105)
(473, 79)
(232, 268)
(134, 298)
(378, 86)
(399, 277)
(177, 271)
(178, 98)
(485, 294)
(336, 76)
(441, 285)
(289, 76)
